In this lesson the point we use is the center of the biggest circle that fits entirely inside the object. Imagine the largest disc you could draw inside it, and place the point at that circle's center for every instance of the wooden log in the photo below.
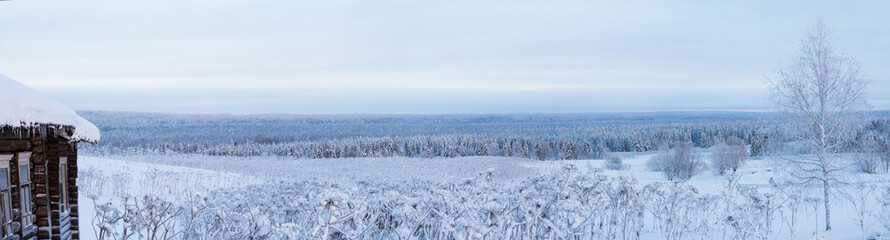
(51, 176)
(42, 212)
(38, 148)
(38, 158)
(37, 140)
(39, 188)
(39, 169)
(43, 233)
(40, 180)
(14, 145)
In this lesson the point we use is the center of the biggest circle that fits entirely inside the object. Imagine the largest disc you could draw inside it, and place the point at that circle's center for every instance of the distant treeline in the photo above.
(538, 136)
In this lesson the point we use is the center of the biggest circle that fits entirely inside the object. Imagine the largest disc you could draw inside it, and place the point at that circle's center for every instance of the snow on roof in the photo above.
(21, 106)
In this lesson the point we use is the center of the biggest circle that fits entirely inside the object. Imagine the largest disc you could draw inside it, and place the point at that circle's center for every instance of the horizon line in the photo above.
(460, 113)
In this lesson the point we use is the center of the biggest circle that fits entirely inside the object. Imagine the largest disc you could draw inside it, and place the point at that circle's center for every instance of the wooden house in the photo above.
(38, 164)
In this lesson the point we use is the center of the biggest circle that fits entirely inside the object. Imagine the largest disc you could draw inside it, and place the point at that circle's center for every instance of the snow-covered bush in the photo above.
(614, 162)
(564, 205)
(680, 163)
(147, 217)
(107, 221)
(728, 156)
(750, 213)
(121, 183)
(884, 212)
(679, 210)
(571, 203)
(874, 147)
(875, 153)
(91, 181)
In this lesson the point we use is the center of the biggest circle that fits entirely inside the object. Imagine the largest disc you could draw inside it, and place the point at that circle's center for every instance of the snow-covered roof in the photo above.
(21, 106)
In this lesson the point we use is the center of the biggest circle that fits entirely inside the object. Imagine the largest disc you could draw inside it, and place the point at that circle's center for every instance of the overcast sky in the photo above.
(423, 57)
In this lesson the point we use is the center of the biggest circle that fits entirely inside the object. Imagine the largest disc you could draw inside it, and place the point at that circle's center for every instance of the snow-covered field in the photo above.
(460, 198)
(346, 170)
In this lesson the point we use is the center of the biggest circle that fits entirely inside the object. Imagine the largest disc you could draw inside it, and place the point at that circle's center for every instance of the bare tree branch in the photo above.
(827, 87)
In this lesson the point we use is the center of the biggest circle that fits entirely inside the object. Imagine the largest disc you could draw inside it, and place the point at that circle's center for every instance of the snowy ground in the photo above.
(345, 170)
(175, 176)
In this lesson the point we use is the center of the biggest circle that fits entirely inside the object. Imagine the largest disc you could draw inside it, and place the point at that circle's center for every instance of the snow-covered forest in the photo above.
(541, 136)
(580, 176)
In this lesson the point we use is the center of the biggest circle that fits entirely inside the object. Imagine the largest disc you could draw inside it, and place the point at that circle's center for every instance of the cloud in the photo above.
(408, 56)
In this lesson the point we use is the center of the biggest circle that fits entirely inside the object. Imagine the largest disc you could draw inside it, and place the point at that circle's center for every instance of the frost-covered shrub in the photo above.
(91, 181)
(614, 162)
(875, 154)
(728, 156)
(680, 163)
(679, 211)
(147, 217)
(567, 204)
(749, 213)
(153, 217)
(884, 213)
(107, 220)
(868, 163)
(121, 183)
(659, 163)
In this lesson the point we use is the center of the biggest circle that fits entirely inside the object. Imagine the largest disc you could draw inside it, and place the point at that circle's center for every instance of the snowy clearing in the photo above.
(347, 170)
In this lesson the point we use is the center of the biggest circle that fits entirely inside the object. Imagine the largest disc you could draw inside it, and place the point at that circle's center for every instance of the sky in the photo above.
(427, 57)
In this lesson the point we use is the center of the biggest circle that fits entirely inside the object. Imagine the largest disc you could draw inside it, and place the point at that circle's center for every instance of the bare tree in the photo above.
(680, 163)
(826, 87)
(728, 156)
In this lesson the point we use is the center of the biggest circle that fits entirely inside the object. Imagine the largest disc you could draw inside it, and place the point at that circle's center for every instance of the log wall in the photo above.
(47, 146)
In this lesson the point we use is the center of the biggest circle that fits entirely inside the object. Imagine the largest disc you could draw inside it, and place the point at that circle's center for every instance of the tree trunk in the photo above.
(827, 206)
